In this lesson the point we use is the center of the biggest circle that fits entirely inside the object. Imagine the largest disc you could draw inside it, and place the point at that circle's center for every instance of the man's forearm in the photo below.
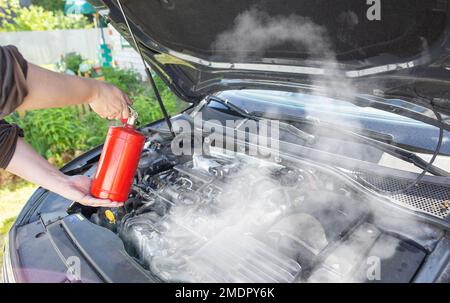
(47, 89)
(29, 165)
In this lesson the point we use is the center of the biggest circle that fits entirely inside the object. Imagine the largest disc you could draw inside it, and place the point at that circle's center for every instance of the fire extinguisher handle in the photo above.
(133, 117)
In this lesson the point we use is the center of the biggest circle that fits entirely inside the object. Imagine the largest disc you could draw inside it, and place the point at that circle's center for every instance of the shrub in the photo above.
(126, 79)
(50, 5)
(35, 18)
(143, 97)
(95, 129)
(72, 61)
(62, 133)
(54, 133)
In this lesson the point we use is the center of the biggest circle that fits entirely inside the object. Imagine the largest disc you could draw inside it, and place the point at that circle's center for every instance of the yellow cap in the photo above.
(110, 216)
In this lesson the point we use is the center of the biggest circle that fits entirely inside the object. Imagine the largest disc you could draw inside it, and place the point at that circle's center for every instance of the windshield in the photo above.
(419, 136)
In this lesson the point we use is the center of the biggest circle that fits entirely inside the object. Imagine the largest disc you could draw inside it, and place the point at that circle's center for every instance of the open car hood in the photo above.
(388, 48)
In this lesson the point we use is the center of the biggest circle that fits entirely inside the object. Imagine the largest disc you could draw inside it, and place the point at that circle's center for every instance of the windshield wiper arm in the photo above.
(380, 141)
(402, 154)
(387, 138)
(309, 138)
(385, 144)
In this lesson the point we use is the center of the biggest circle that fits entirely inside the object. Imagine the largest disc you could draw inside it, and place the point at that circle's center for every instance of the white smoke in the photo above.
(255, 31)
(254, 200)
(205, 242)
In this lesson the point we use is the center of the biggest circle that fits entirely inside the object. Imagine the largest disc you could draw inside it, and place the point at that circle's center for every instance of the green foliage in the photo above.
(126, 79)
(50, 5)
(72, 61)
(35, 18)
(53, 132)
(148, 107)
(61, 134)
(95, 129)
(144, 101)
(6, 226)
(8, 10)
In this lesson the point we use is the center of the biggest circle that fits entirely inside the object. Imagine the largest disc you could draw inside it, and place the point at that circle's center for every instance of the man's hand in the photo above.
(110, 102)
(78, 189)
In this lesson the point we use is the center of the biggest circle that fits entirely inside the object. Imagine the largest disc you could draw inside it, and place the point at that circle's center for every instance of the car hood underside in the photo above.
(390, 49)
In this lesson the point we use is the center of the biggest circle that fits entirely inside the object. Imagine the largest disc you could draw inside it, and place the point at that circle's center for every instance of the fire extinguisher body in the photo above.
(118, 163)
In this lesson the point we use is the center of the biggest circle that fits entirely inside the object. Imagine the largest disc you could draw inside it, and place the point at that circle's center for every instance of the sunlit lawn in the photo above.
(11, 202)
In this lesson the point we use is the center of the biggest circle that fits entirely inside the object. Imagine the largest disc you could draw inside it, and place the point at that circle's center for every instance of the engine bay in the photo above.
(229, 217)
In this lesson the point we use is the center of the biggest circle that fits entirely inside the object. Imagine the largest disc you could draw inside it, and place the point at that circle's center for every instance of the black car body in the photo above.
(354, 98)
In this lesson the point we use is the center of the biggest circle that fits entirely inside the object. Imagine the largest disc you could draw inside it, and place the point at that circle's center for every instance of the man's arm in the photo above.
(27, 164)
(47, 89)
(27, 86)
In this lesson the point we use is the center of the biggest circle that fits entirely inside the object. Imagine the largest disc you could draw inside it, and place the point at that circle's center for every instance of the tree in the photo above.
(50, 5)
(14, 18)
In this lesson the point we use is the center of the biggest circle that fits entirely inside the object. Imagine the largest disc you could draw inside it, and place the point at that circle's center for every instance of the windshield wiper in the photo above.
(387, 138)
(380, 141)
(309, 138)
(386, 144)
(257, 115)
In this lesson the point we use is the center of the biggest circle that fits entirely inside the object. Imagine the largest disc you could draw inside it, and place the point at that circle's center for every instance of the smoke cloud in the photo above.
(255, 31)
(215, 243)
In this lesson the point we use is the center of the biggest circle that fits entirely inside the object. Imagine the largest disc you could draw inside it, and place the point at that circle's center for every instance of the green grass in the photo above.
(11, 202)
(6, 225)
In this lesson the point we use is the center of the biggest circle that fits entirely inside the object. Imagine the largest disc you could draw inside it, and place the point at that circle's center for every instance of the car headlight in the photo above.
(8, 273)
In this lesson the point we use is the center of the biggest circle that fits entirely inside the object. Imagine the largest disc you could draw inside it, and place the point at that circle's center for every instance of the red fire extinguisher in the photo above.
(118, 162)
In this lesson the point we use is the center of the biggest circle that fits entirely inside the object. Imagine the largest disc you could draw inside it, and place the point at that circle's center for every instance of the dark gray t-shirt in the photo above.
(13, 90)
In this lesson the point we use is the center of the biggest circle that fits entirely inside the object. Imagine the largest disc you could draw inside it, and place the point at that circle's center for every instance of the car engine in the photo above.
(214, 208)
(229, 217)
